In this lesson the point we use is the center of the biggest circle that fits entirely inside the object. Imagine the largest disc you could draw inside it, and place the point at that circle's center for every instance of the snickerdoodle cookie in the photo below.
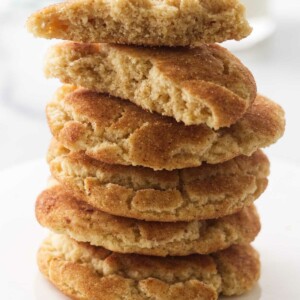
(118, 132)
(205, 192)
(142, 22)
(206, 84)
(61, 212)
(86, 272)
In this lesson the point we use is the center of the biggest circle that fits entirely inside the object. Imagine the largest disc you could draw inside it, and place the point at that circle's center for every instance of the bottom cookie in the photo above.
(86, 272)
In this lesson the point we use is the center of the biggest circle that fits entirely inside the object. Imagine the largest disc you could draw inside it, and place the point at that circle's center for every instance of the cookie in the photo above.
(118, 132)
(85, 272)
(142, 22)
(203, 85)
(205, 192)
(61, 212)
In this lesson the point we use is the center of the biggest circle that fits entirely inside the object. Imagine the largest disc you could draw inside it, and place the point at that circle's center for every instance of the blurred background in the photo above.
(272, 53)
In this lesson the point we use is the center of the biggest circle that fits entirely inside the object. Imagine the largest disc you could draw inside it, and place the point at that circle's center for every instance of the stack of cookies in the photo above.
(156, 158)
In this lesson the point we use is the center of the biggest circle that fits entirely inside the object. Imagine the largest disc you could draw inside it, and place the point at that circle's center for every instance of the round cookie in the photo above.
(85, 272)
(119, 132)
(202, 85)
(58, 210)
(205, 192)
(142, 22)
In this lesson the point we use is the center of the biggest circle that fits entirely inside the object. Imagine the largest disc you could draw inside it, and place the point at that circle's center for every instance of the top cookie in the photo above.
(206, 84)
(142, 22)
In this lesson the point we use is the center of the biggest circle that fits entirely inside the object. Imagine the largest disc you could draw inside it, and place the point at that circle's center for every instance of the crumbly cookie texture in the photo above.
(85, 272)
(206, 84)
(205, 192)
(142, 22)
(58, 210)
(118, 132)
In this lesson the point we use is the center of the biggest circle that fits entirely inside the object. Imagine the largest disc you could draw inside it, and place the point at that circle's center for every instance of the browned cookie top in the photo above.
(118, 132)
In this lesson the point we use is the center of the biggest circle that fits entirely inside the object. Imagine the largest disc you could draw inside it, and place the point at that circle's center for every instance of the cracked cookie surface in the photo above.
(119, 132)
(61, 212)
(86, 272)
(205, 192)
(142, 22)
(203, 85)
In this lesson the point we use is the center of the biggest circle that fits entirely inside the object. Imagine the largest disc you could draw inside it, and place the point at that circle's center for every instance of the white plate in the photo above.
(278, 243)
